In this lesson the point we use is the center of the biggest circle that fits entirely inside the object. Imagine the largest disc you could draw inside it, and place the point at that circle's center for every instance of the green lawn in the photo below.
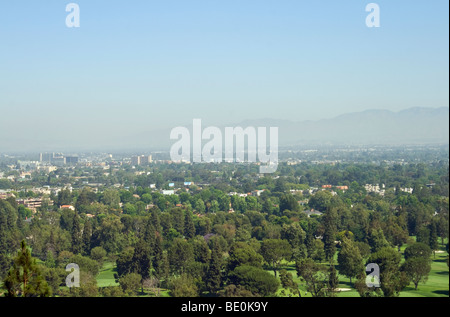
(436, 286)
(106, 278)
(106, 275)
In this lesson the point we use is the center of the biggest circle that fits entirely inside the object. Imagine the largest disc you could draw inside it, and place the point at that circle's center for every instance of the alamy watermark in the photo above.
(73, 18)
(373, 19)
(73, 279)
(373, 278)
(228, 147)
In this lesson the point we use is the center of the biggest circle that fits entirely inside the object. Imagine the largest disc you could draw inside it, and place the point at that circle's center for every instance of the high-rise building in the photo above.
(71, 159)
(141, 160)
(46, 157)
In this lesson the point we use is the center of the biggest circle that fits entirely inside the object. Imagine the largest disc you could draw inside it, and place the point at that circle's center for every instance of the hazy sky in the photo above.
(135, 66)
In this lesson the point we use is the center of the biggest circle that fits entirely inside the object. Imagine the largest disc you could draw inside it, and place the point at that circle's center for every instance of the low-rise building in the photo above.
(33, 203)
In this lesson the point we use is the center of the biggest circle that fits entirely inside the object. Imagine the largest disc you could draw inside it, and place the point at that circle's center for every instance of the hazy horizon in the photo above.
(146, 66)
(125, 143)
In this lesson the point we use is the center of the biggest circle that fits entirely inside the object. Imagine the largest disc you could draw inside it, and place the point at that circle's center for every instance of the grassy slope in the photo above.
(436, 286)
(106, 275)
(106, 278)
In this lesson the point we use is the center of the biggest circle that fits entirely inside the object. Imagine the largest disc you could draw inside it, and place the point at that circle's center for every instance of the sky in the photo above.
(140, 65)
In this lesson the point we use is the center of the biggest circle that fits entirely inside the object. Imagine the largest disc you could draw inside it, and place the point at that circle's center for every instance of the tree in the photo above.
(423, 235)
(141, 261)
(158, 258)
(55, 277)
(377, 241)
(294, 234)
(86, 237)
(392, 279)
(214, 206)
(321, 200)
(189, 229)
(86, 264)
(214, 274)
(288, 202)
(25, 278)
(235, 291)
(333, 281)
(396, 234)
(98, 254)
(86, 197)
(267, 206)
(350, 260)
(417, 269)
(183, 286)
(252, 203)
(180, 254)
(255, 280)
(88, 286)
(123, 262)
(280, 185)
(66, 219)
(200, 206)
(111, 198)
(287, 281)
(24, 212)
(77, 240)
(329, 236)
(417, 249)
(274, 251)
(433, 238)
(363, 289)
(314, 276)
(64, 197)
(5, 262)
(130, 283)
(224, 202)
(109, 234)
(241, 253)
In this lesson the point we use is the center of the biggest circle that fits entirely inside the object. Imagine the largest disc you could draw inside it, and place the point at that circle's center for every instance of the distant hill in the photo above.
(410, 126)
(370, 127)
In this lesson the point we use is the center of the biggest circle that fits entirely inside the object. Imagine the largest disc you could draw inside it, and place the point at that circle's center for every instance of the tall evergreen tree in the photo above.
(150, 234)
(158, 258)
(309, 241)
(25, 278)
(333, 280)
(350, 259)
(141, 261)
(189, 228)
(214, 274)
(4, 258)
(433, 238)
(155, 219)
(329, 236)
(86, 237)
(77, 240)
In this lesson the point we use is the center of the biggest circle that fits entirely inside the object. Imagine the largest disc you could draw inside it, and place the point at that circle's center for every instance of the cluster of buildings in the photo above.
(34, 203)
(375, 189)
(254, 193)
(48, 162)
(5, 194)
(141, 160)
(58, 159)
(343, 188)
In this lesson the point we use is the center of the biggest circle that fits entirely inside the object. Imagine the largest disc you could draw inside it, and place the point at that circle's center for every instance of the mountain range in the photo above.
(370, 127)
